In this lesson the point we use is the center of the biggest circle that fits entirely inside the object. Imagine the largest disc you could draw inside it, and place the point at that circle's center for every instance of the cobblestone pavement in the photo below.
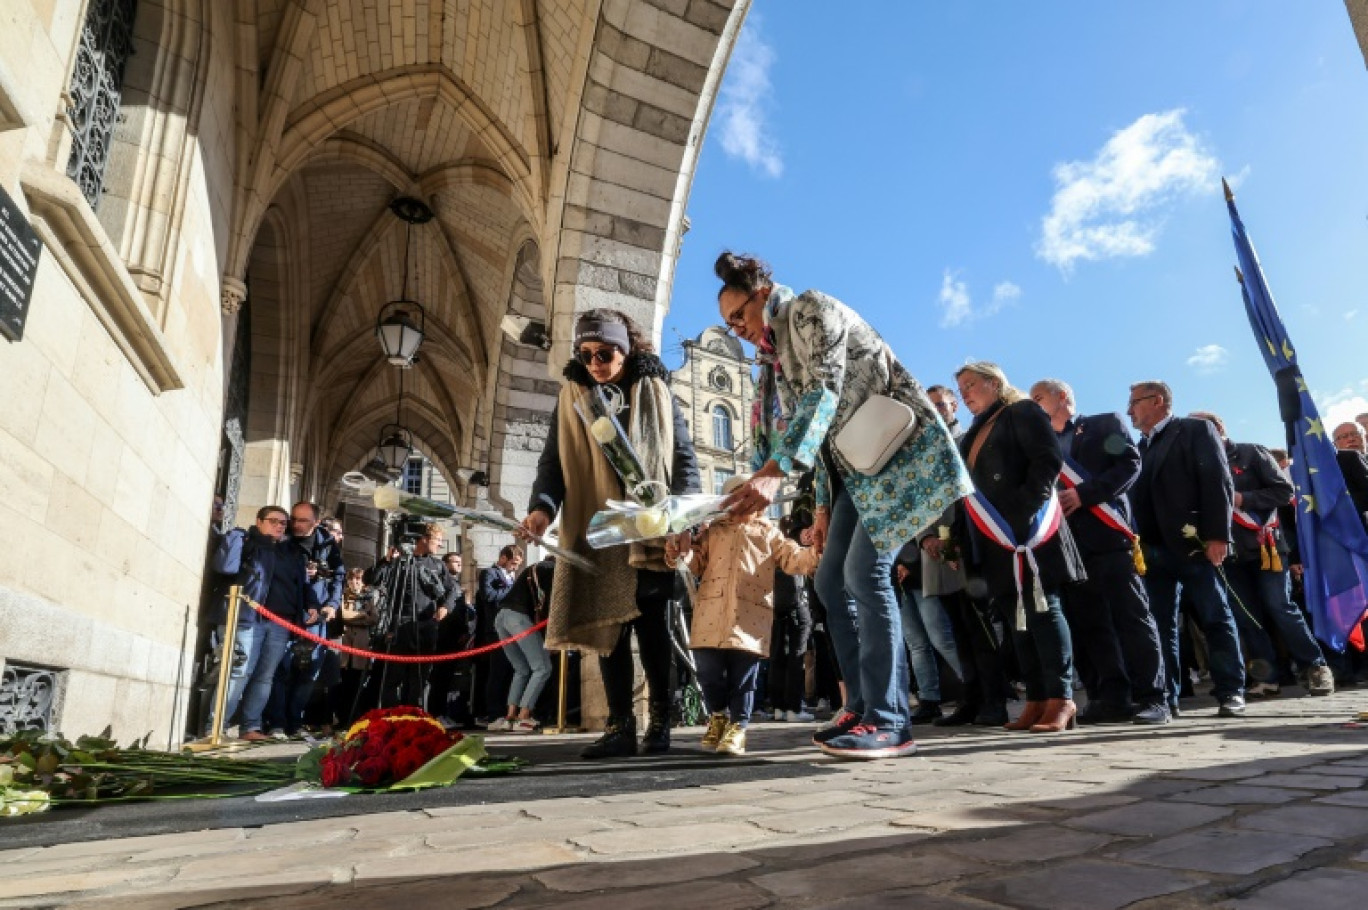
(1266, 812)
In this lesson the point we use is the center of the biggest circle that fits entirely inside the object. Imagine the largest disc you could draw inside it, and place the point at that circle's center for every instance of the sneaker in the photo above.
(1231, 706)
(838, 726)
(823, 705)
(525, 726)
(277, 734)
(1153, 715)
(866, 741)
(801, 717)
(733, 741)
(927, 711)
(1320, 681)
(501, 725)
(717, 725)
(1262, 689)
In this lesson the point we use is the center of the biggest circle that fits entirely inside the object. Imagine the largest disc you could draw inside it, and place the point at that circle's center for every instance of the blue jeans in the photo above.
(270, 642)
(1166, 577)
(531, 663)
(247, 641)
(728, 678)
(856, 585)
(926, 625)
(1263, 599)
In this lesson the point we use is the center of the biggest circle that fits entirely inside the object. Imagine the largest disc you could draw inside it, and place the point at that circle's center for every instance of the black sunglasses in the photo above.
(602, 356)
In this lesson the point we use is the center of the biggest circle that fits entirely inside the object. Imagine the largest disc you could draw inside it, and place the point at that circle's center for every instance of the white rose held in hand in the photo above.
(603, 430)
(652, 523)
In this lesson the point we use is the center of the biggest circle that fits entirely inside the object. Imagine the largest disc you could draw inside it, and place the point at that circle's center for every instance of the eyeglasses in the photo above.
(276, 521)
(734, 321)
(603, 356)
(1134, 401)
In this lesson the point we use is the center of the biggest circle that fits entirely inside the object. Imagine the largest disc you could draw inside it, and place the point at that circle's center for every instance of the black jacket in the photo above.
(1102, 447)
(1016, 471)
(527, 598)
(1354, 467)
(332, 573)
(1263, 490)
(548, 491)
(1184, 482)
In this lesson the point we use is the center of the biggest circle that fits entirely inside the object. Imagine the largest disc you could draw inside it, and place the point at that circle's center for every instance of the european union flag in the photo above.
(1334, 544)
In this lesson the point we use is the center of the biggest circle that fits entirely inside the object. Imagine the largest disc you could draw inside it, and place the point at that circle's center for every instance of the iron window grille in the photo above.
(97, 91)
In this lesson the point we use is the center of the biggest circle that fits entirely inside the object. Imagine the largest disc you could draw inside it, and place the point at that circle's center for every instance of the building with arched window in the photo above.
(207, 209)
(716, 390)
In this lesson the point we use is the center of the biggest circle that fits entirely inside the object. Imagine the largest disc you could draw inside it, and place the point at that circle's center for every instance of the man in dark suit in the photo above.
(1351, 444)
(1182, 503)
(1116, 640)
(1257, 572)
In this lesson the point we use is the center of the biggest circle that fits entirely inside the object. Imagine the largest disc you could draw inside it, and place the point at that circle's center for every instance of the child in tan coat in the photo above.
(733, 613)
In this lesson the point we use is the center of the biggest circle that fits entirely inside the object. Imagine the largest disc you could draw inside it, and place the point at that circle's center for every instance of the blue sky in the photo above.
(1039, 185)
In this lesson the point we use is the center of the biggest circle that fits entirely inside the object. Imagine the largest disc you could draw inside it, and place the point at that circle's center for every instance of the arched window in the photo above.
(722, 428)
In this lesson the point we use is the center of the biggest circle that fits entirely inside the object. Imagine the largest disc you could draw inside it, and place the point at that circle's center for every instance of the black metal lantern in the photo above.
(402, 323)
(396, 445)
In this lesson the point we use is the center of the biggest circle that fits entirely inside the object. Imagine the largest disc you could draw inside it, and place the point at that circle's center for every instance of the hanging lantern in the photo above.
(402, 323)
(396, 445)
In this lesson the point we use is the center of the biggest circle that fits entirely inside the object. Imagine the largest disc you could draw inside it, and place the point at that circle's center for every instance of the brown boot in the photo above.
(1030, 715)
(1058, 717)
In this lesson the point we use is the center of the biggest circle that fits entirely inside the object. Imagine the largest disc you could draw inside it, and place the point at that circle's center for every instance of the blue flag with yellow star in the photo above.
(1334, 543)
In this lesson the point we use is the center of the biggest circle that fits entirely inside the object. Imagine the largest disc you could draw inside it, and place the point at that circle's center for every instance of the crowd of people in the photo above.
(1032, 549)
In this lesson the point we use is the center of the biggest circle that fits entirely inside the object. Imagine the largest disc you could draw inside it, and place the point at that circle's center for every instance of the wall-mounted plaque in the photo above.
(19, 249)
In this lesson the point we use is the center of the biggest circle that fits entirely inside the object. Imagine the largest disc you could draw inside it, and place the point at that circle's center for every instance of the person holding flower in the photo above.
(821, 367)
(632, 586)
(1182, 502)
(736, 558)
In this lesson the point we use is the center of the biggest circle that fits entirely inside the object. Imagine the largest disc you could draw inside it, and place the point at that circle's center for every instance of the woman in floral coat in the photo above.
(820, 361)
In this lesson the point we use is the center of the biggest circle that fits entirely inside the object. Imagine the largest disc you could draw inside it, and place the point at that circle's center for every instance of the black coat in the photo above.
(548, 490)
(1103, 448)
(1354, 467)
(1016, 471)
(1263, 490)
(1184, 482)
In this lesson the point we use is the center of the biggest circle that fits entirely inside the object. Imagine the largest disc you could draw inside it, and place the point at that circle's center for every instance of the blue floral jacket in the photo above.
(824, 362)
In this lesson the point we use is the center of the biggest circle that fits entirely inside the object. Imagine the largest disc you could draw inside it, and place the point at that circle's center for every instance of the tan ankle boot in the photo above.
(1058, 717)
(1030, 715)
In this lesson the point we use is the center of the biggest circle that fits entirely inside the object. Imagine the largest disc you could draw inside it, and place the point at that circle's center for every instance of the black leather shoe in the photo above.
(618, 740)
(962, 716)
(927, 712)
(1175, 712)
(1231, 706)
(991, 716)
(1154, 715)
(656, 739)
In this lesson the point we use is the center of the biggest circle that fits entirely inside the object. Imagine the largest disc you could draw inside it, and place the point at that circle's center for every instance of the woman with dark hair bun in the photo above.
(820, 364)
(632, 587)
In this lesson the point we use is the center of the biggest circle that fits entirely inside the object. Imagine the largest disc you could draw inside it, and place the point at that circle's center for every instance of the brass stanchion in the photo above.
(215, 738)
(560, 726)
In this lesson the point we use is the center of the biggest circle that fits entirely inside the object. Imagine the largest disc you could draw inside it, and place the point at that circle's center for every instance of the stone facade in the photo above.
(244, 220)
(716, 391)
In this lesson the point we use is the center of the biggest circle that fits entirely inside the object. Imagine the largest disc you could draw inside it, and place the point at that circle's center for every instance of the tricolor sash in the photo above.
(1265, 532)
(1071, 475)
(1044, 525)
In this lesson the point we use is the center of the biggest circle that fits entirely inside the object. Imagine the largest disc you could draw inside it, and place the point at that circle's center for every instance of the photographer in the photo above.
(419, 594)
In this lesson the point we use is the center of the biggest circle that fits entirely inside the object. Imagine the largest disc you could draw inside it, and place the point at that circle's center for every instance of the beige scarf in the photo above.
(587, 611)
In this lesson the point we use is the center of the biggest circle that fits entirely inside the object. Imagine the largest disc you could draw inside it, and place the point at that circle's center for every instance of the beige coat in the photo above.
(736, 561)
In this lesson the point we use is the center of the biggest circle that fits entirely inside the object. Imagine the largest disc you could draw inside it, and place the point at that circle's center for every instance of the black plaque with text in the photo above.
(19, 249)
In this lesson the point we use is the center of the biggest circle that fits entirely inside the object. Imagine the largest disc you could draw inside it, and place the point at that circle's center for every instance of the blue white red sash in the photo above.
(1266, 533)
(1073, 474)
(1044, 525)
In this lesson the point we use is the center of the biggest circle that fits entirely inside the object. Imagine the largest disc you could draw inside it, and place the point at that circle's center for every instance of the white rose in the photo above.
(386, 497)
(1190, 531)
(943, 532)
(603, 430)
(652, 523)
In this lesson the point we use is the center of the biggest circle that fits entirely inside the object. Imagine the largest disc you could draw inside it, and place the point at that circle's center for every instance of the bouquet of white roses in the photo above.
(630, 522)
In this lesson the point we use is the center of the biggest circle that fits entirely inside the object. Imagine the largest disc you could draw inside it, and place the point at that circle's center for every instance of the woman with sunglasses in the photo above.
(819, 363)
(633, 585)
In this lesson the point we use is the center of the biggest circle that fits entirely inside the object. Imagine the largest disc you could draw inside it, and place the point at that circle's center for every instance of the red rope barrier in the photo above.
(397, 658)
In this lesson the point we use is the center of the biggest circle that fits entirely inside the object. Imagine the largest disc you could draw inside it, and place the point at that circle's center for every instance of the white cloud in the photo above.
(1342, 406)
(957, 306)
(746, 98)
(1349, 315)
(1109, 207)
(1209, 358)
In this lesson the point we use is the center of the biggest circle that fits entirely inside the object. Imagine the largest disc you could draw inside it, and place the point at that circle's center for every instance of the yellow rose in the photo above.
(652, 523)
(23, 802)
(603, 430)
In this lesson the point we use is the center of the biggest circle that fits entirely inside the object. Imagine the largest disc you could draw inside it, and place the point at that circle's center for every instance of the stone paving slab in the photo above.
(1196, 814)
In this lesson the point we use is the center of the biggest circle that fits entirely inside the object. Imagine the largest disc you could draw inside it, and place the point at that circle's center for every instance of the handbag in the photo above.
(874, 433)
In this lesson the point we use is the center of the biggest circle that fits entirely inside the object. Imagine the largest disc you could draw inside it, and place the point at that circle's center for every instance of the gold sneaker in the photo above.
(717, 725)
(733, 741)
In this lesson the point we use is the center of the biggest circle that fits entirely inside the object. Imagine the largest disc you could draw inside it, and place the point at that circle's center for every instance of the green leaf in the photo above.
(309, 766)
(443, 770)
